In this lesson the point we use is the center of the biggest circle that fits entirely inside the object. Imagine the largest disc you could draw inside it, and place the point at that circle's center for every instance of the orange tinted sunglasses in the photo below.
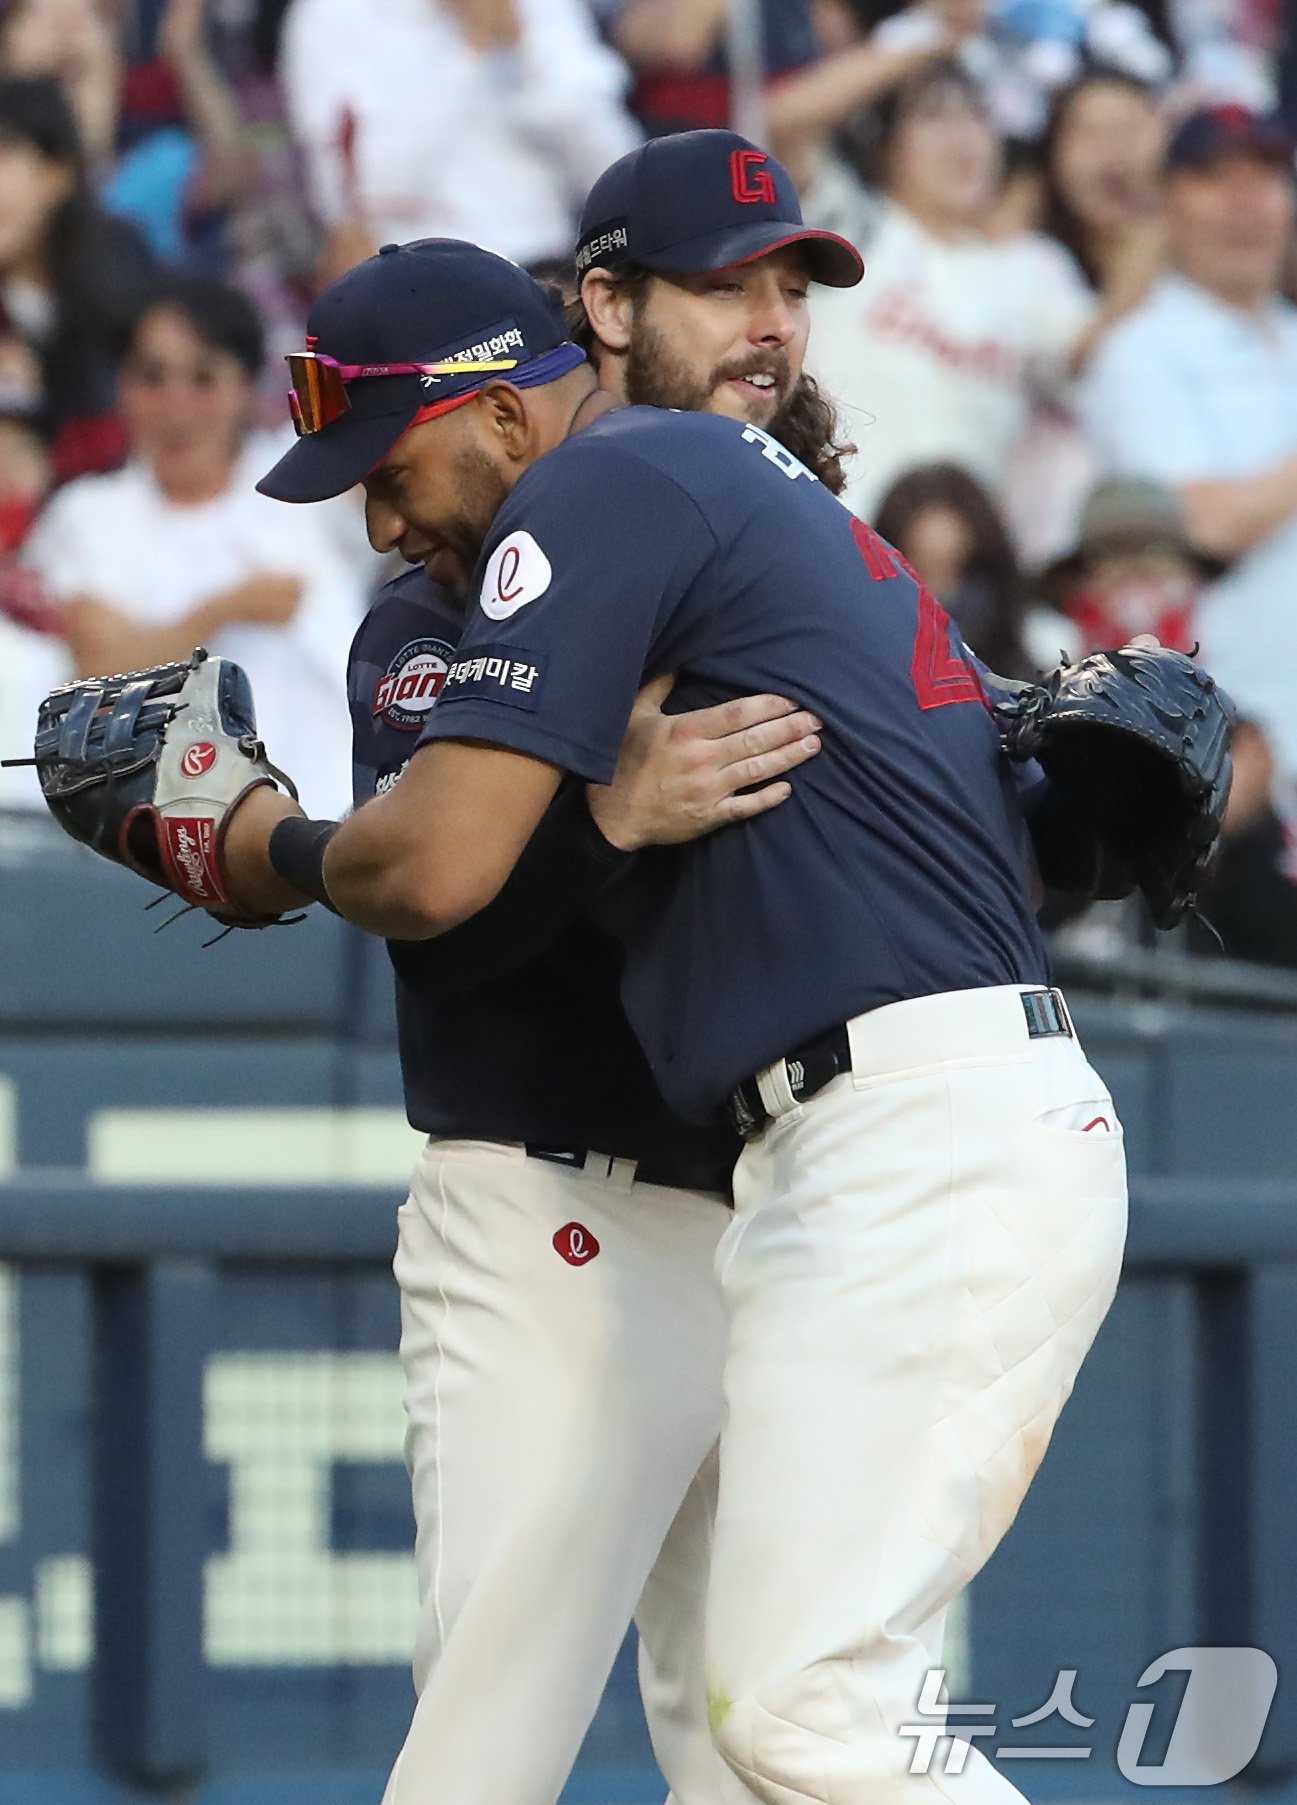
(318, 395)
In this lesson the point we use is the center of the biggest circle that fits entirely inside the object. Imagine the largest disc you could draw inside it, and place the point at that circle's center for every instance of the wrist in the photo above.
(254, 886)
(614, 827)
(296, 850)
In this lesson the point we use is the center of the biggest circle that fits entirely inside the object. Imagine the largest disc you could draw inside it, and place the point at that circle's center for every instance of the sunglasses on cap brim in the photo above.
(318, 395)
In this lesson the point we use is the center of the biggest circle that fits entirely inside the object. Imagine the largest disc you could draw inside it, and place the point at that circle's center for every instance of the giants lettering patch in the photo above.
(411, 683)
(188, 848)
(496, 674)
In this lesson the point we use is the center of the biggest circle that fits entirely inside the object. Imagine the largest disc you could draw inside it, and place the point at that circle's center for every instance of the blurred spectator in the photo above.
(1133, 569)
(804, 114)
(70, 275)
(943, 521)
(936, 356)
(71, 42)
(1022, 52)
(24, 453)
(678, 50)
(1197, 389)
(164, 133)
(1103, 156)
(1101, 202)
(481, 119)
(184, 160)
(178, 549)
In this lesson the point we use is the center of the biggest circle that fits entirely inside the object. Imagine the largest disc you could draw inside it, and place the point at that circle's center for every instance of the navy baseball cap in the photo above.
(699, 201)
(1205, 136)
(406, 336)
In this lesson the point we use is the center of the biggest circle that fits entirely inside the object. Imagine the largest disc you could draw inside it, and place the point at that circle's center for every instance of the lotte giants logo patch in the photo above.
(575, 1244)
(198, 760)
(411, 683)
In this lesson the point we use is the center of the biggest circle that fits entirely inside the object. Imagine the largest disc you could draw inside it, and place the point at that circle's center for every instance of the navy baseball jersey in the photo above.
(656, 542)
(541, 1052)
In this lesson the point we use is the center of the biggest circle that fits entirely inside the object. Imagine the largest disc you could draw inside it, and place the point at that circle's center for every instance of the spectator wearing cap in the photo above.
(177, 549)
(940, 353)
(1197, 389)
(1133, 569)
(695, 265)
(451, 118)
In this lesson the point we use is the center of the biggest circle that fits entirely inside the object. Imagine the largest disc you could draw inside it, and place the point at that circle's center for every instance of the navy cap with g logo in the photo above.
(701, 201)
(436, 301)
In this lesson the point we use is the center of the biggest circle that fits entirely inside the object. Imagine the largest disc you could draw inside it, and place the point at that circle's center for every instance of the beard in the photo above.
(481, 492)
(657, 377)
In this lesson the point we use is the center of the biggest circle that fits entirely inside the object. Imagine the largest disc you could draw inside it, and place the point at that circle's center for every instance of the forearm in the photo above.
(213, 114)
(818, 98)
(677, 32)
(1228, 518)
(102, 641)
(366, 881)
(566, 864)
(441, 844)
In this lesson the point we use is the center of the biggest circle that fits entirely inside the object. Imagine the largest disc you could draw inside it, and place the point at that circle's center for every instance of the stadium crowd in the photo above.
(1069, 375)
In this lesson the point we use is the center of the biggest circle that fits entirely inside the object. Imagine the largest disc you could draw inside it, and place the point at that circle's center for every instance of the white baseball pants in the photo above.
(563, 1410)
(920, 1258)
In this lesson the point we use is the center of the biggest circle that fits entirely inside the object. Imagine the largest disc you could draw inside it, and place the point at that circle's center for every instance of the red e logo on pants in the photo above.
(576, 1244)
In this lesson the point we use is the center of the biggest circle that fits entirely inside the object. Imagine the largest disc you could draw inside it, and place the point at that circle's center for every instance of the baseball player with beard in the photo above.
(931, 1200)
(713, 320)
(561, 1326)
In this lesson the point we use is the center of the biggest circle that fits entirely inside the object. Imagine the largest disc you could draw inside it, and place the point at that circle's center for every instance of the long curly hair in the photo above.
(806, 424)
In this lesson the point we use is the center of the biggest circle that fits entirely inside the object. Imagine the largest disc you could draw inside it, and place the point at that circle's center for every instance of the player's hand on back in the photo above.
(684, 775)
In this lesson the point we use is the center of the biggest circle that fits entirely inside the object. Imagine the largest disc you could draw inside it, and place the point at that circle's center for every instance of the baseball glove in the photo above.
(1139, 740)
(147, 768)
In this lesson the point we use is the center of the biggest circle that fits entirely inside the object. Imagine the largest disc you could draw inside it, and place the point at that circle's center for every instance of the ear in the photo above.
(608, 308)
(509, 420)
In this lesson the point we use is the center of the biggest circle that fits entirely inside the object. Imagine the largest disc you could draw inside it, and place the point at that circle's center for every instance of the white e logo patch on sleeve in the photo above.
(518, 572)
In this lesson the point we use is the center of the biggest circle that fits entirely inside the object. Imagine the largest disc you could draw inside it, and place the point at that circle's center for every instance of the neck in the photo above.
(937, 221)
(1244, 297)
(190, 488)
(593, 404)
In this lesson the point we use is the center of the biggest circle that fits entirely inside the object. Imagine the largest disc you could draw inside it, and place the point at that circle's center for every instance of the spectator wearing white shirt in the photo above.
(1197, 388)
(178, 549)
(479, 119)
(937, 355)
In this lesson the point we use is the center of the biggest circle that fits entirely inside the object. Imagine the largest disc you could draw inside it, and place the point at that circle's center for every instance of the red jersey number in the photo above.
(941, 677)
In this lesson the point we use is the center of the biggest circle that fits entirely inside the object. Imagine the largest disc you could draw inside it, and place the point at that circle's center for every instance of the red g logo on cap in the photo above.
(750, 180)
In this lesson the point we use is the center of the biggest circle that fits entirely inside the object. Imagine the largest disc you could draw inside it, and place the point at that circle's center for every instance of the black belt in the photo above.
(646, 1173)
(817, 1062)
